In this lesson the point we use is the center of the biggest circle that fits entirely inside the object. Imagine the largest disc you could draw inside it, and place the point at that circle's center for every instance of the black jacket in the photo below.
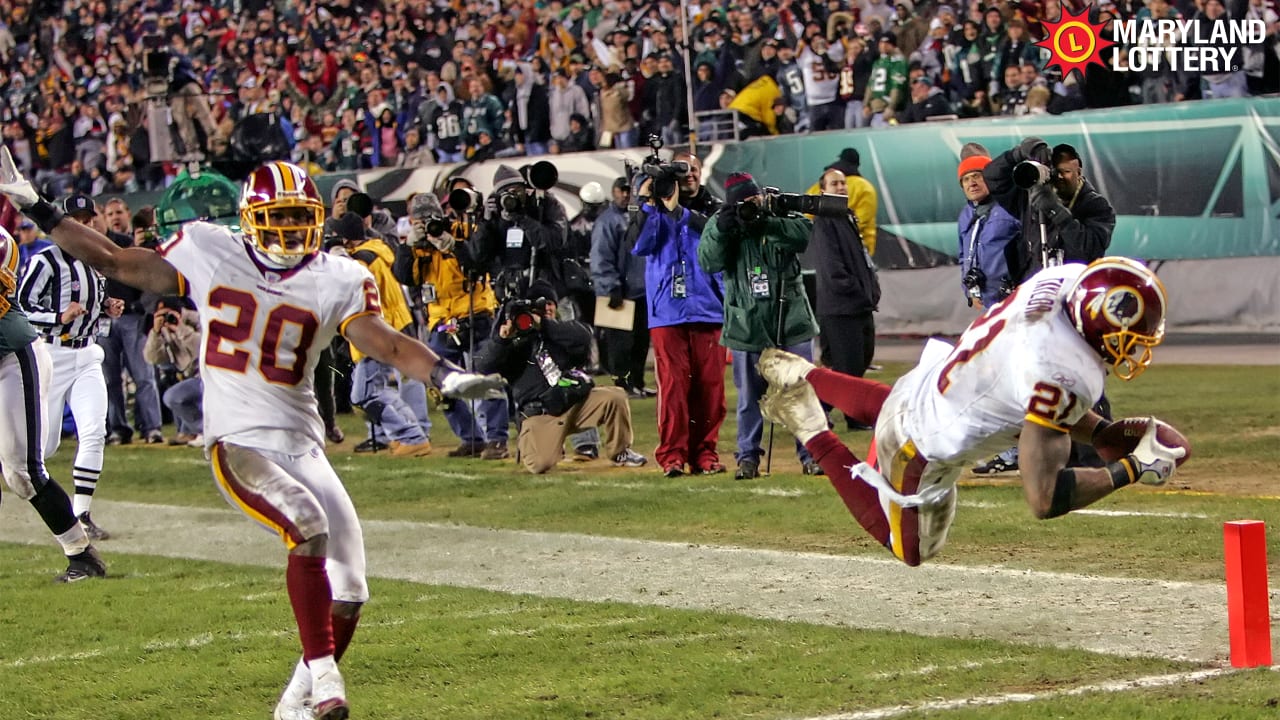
(846, 283)
(545, 231)
(1083, 234)
(566, 342)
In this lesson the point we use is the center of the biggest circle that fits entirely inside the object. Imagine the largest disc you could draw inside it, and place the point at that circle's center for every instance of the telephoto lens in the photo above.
(1029, 173)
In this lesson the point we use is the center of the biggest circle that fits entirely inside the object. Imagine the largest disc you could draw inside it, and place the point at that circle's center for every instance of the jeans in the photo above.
(626, 138)
(448, 157)
(493, 414)
(750, 389)
(536, 148)
(122, 350)
(402, 415)
(853, 115)
(185, 401)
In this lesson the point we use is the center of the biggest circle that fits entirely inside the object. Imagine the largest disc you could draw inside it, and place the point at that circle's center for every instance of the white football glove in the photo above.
(18, 189)
(1155, 461)
(473, 386)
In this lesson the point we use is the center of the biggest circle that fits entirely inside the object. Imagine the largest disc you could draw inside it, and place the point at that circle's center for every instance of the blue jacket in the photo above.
(669, 242)
(612, 264)
(995, 250)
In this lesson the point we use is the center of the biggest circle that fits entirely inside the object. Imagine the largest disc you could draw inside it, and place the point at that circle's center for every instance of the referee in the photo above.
(65, 300)
(24, 369)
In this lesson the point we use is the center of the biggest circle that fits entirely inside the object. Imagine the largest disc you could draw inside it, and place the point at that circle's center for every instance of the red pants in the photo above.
(690, 370)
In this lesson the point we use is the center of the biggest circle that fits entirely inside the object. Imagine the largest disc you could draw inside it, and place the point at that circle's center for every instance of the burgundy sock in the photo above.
(856, 397)
(343, 629)
(861, 499)
(311, 597)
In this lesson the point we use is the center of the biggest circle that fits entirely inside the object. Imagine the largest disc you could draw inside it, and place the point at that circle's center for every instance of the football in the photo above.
(1122, 436)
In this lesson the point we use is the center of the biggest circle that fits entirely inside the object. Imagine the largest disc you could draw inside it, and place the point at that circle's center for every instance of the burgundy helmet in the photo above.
(8, 269)
(281, 213)
(1118, 307)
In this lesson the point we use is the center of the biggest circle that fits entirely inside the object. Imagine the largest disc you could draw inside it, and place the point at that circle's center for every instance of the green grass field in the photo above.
(180, 638)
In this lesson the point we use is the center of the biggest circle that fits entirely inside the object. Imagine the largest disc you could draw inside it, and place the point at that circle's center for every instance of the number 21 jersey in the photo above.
(262, 330)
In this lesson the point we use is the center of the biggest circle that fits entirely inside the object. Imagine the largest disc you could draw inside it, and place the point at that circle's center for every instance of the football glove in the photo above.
(18, 189)
(1154, 461)
(473, 386)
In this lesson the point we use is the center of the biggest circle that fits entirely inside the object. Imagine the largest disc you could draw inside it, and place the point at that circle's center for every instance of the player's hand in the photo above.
(1154, 461)
(73, 311)
(18, 189)
(473, 386)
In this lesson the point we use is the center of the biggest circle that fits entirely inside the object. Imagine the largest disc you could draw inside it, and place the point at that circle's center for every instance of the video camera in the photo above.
(776, 202)
(155, 57)
(522, 312)
(665, 174)
(1029, 173)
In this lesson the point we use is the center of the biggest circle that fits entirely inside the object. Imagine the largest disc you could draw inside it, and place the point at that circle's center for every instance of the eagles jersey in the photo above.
(791, 82)
(262, 331)
(447, 127)
(1021, 361)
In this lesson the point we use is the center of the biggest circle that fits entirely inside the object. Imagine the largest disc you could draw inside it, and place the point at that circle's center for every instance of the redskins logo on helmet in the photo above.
(281, 213)
(1118, 306)
(8, 269)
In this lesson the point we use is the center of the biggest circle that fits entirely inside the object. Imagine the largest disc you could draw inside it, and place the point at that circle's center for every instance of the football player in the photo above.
(1028, 370)
(269, 300)
(25, 369)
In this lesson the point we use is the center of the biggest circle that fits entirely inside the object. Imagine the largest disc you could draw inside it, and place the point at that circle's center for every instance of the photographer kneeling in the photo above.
(543, 358)
(173, 346)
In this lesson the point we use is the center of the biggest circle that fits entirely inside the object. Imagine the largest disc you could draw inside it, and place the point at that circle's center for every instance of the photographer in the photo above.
(693, 195)
(523, 231)
(686, 310)
(757, 244)
(173, 347)
(620, 276)
(847, 290)
(988, 239)
(542, 359)
(460, 307)
(1064, 219)
(187, 99)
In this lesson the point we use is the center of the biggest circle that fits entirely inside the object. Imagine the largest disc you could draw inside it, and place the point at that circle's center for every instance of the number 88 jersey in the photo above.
(262, 330)
(1022, 361)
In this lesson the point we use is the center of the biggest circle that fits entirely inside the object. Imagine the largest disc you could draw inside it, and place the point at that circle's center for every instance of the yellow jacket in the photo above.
(863, 202)
(756, 102)
(376, 255)
(444, 272)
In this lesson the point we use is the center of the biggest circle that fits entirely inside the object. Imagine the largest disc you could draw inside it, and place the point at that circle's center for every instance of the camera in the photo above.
(541, 175)
(512, 202)
(522, 313)
(466, 200)
(777, 202)
(155, 56)
(437, 226)
(665, 174)
(171, 319)
(1029, 173)
(974, 281)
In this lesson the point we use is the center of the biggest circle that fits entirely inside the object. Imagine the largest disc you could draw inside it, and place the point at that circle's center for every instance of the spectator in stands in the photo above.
(482, 112)
(617, 121)
(926, 101)
(530, 112)
(885, 87)
(173, 347)
(566, 99)
(445, 135)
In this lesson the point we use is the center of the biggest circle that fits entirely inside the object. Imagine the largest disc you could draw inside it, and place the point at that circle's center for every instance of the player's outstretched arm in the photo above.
(137, 267)
(375, 338)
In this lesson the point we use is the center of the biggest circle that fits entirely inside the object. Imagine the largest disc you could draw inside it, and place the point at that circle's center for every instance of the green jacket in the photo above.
(773, 245)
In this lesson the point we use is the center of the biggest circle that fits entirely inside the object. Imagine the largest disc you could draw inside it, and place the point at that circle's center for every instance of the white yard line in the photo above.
(1114, 686)
(1116, 615)
(1141, 513)
(931, 669)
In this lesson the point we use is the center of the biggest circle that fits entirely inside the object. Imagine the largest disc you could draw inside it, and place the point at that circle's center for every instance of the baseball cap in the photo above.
(25, 224)
(79, 204)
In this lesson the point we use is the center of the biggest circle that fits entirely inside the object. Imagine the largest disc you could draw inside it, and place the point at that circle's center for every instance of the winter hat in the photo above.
(349, 227)
(542, 289)
(506, 178)
(973, 163)
(425, 205)
(739, 187)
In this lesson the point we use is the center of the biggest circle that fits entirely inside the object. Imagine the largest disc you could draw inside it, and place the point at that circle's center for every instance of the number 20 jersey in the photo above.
(262, 331)
(1021, 361)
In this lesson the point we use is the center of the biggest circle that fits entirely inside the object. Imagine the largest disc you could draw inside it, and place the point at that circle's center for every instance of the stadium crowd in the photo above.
(357, 84)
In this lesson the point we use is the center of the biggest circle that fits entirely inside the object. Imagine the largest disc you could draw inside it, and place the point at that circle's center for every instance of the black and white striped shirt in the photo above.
(52, 282)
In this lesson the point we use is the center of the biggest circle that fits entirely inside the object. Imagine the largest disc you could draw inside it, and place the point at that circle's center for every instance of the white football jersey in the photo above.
(262, 331)
(1021, 361)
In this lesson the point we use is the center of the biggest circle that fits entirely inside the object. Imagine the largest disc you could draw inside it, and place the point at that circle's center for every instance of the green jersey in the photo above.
(888, 73)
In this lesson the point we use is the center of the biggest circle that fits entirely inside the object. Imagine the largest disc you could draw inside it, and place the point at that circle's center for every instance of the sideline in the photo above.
(1119, 616)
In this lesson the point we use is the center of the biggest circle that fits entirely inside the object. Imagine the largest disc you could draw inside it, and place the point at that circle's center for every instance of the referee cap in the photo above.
(79, 205)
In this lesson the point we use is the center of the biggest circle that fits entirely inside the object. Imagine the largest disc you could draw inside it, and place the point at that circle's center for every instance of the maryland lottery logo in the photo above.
(1200, 46)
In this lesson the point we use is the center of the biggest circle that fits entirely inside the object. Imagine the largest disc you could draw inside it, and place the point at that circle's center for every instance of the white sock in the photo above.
(320, 666)
(73, 541)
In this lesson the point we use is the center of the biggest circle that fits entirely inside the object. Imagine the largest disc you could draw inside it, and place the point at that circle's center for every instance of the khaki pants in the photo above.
(542, 437)
(188, 102)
